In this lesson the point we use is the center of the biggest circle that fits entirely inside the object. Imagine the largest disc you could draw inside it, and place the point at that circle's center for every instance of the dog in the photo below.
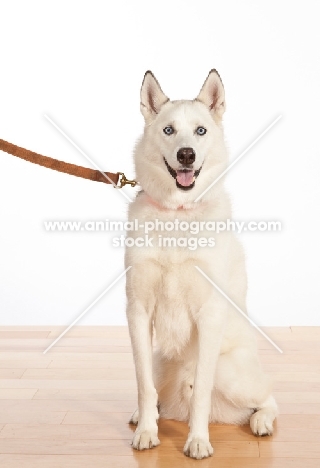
(205, 367)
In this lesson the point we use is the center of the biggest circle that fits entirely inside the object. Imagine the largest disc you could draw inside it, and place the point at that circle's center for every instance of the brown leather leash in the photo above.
(118, 179)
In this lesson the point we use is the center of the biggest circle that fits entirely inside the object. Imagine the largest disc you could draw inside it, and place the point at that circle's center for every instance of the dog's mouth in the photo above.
(185, 178)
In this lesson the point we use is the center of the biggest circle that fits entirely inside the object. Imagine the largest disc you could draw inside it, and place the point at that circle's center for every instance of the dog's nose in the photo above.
(186, 156)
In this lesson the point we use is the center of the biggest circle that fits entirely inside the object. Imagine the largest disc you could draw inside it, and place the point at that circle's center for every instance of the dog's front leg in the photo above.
(210, 326)
(140, 328)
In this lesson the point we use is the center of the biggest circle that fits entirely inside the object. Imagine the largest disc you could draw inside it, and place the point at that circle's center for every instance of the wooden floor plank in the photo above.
(89, 341)
(297, 397)
(70, 384)
(114, 447)
(82, 374)
(69, 461)
(309, 422)
(61, 356)
(24, 344)
(119, 406)
(81, 331)
(294, 346)
(60, 349)
(95, 332)
(12, 394)
(96, 417)
(31, 417)
(288, 449)
(25, 364)
(118, 430)
(11, 373)
(296, 386)
(285, 359)
(301, 332)
(65, 446)
(148, 459)
(32, 328)
(293, 334)
(309, 366)
(91, 364)
(296, 376)
(300, 408)
(23, 334)
(66, 343)
(72, 345)
(295, 434)
(81, 394)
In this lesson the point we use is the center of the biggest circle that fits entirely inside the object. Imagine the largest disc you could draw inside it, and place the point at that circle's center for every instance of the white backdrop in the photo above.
(82, 63)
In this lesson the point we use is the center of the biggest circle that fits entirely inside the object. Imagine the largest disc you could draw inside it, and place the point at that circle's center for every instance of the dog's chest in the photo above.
(172, 315)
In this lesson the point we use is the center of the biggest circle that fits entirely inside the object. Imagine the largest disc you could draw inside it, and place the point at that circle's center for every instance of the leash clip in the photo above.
(124, 181)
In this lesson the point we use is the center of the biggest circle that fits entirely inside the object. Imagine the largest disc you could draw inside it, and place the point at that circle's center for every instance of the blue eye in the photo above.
(201, 131)
(169, 130)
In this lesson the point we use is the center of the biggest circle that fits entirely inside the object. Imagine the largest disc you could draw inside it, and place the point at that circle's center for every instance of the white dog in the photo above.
(205, 368)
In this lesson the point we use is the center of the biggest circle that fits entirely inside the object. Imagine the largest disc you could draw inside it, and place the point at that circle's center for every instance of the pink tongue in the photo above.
(185, 178)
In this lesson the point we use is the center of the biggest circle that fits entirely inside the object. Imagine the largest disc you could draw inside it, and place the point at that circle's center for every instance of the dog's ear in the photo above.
(152, 97)
(212, 95)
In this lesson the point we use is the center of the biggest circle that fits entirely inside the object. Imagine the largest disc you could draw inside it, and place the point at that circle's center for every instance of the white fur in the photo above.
(205, 368)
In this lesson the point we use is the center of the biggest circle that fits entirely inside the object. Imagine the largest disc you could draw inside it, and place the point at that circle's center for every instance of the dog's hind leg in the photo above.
(241, 381)
(261, 422)
(135, 417)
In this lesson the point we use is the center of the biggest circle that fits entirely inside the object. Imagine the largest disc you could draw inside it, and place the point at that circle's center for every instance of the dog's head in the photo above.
(182, 149)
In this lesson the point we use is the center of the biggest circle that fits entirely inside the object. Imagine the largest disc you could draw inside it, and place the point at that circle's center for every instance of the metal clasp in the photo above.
(124, 181)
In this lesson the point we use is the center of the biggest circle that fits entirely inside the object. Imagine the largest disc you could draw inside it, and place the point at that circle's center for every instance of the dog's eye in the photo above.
(201, 131)
(168, 130)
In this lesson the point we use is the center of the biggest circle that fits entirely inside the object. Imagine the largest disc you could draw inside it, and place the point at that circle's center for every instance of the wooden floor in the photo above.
(70, 407)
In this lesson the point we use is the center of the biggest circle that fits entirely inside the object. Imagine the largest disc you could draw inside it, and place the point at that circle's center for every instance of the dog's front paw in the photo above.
(261, 423)
(198, 448)
(146, 439)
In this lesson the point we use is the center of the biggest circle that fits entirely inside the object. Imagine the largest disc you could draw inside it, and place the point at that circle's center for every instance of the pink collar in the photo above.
(162, 208)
